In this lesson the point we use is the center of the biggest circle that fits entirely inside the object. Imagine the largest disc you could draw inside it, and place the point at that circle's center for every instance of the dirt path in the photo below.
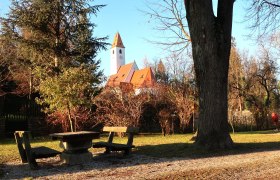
(257, 165)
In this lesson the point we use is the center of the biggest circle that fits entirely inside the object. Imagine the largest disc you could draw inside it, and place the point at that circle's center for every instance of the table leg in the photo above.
(76, 152)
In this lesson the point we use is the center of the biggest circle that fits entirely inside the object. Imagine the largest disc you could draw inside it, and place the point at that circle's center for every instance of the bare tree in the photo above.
(259, 89)
(178, 67)
(169, 17)
(118, 108)
(266, 75)
(264, 15)
(210, 36)
(235, 80)
(178, 99)
(211, 43)
(274, 44)
(166, 121)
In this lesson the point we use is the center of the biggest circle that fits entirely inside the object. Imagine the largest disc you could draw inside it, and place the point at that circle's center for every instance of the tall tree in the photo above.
(260, 90)
(210, 37)
(55, 39)
(211, 43)
(53, 34)
(236, 80)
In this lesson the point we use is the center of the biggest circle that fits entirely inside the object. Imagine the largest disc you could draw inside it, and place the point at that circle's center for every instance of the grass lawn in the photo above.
(178, 145)
(158, 146)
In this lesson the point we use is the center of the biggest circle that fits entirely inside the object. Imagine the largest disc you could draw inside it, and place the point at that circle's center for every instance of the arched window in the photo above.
(113, 52)
(120, 51)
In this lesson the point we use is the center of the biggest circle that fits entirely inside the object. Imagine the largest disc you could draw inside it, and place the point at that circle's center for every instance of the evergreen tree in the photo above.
(53, 38)
(53, 33)
(161, 74)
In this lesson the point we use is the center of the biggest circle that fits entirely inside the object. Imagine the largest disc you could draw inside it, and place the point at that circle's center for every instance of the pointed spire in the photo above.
(117, 41)
(161, 67)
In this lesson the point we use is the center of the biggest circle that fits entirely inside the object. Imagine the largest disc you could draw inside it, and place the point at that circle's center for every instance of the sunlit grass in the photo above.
(178, 145)
(256, 137)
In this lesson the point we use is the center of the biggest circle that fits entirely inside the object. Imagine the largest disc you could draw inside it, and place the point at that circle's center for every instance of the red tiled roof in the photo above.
(123, 72)
(143, 78)
(139, 79)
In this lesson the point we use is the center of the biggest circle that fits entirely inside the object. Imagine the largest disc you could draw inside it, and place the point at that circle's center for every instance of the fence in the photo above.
(19, 113)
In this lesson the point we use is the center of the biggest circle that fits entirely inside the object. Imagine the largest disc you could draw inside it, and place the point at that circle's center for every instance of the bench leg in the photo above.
(31, 160)
(33, 164)
(107, 151)
(127, 151)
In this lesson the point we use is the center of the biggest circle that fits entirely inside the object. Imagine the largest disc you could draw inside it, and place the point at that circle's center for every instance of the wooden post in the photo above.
(111, 136)
(31, 160)
(130, 139)
(18, 138)
(110, 140)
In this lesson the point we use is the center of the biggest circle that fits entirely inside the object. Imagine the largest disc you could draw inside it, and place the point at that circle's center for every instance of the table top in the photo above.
(78, 134)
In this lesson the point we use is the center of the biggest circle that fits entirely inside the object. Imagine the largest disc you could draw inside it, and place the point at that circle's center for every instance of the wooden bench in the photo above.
(28, 154)
(110, 146)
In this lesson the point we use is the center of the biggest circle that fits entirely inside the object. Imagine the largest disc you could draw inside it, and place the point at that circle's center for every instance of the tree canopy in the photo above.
(54, 41)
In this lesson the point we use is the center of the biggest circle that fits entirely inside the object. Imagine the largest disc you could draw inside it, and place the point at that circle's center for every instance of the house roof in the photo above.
(121, 76)
(143, 78)
(140, 78)
(117, 41)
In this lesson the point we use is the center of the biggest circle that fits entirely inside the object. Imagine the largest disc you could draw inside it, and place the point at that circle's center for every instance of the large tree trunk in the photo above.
(211, 42)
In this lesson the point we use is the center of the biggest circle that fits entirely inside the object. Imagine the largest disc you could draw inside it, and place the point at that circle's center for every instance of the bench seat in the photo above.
(29, 154)
(112, 146)
(43, 152)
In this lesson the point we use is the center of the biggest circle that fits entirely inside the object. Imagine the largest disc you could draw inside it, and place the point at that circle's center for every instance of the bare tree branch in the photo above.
(264, 16)
(169, 17)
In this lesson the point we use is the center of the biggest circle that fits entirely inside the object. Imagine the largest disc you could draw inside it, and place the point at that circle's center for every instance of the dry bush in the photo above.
(117, 108)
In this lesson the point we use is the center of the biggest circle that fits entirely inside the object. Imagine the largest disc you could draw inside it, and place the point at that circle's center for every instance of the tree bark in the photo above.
(211, 43)
(70, 118)
(30, 84)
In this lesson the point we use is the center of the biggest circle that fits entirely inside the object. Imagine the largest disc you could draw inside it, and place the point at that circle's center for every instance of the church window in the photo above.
(113, 52)
(120, 51)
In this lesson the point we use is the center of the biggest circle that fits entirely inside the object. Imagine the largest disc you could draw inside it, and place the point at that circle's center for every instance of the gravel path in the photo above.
(257, 165)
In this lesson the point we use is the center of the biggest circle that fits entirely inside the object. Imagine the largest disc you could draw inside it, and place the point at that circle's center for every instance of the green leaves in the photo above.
(73, 87)
(53, 40)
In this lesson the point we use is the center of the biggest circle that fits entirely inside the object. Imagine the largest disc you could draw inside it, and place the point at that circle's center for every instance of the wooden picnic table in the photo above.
(76, 145)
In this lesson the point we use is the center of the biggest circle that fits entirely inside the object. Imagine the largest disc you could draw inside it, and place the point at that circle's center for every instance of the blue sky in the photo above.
(123, 16)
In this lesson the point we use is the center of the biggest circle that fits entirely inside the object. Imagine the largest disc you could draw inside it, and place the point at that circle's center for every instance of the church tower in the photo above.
(117, 54)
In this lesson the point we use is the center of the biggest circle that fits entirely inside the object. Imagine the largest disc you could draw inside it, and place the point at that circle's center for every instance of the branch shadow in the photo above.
(148, 154)
(189, 150)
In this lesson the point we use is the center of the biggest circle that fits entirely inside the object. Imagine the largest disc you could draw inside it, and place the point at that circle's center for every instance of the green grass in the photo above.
(178, 145)
(158, 146)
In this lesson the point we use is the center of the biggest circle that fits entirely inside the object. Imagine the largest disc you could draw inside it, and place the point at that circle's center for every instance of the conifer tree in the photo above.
(54, 37)
(54, 33)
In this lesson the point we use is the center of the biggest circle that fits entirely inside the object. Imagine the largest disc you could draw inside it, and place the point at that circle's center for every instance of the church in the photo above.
(127, 76)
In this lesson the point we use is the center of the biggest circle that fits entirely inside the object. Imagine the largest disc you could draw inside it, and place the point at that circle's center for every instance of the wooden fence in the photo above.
(20, 113)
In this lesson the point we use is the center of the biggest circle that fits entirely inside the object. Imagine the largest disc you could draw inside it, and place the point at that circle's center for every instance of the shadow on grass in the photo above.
(260, 132)
(11, 141)
(7, 141)
(189, 150)
(141, 155)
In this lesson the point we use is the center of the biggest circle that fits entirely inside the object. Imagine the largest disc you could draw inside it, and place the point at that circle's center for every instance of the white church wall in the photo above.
(117, 59)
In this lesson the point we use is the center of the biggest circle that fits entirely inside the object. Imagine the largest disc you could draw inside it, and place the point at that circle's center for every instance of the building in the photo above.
(127, 75)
